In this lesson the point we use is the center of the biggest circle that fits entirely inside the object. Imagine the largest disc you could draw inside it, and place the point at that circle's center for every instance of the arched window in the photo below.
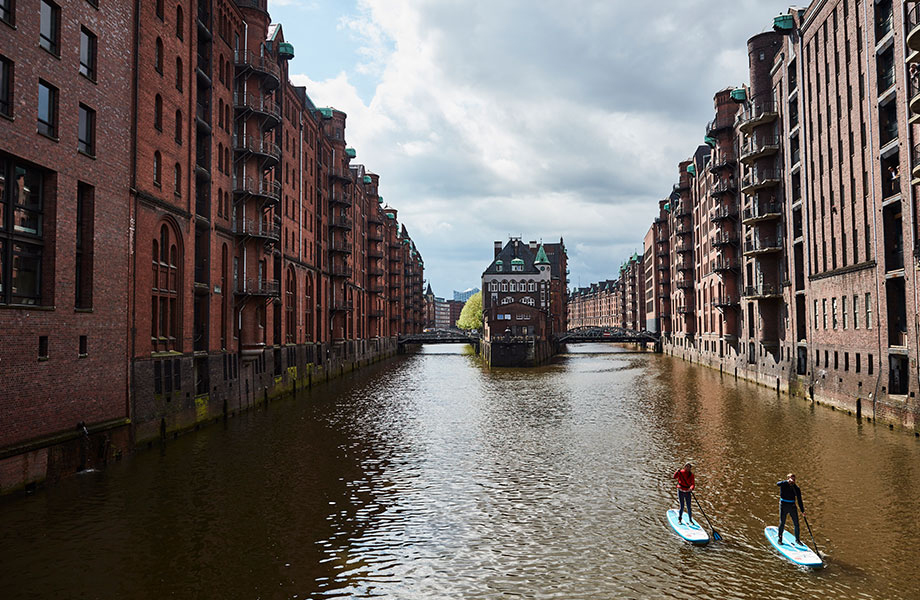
(159, 9)
(227, 159)
(158, 112)
(220, 68)
(225, 293)
(178, 133)
(165, 315)
(227, 117)
(177, 183)
(220, 203)
(308, 310)
(220, 113)
(158, 57)
(290, 302)
(220, 157)
(180, 22)
(178, 73)
(156, 168)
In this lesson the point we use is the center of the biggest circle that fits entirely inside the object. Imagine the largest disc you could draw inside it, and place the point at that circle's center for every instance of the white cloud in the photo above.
(535, 118)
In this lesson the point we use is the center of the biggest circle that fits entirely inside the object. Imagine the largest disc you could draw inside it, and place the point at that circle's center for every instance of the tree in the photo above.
(471, 315)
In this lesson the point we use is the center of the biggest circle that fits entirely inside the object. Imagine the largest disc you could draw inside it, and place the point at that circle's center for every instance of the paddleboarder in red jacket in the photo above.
(685, 485)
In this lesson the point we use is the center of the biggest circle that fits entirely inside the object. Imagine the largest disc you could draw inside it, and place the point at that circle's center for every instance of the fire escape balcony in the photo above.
(374, 218)
(340, 270)
(259, 104)
(663, 251)
(682, 210)
(682, 186)
(339, 198)
(723, 186)
(340, 247)
(248, 61)
(684, 265)
(758, 147)
(257, 287)
(684, 284)
(757, 179)
(257, 228)
(339, 305)
(762, 212)
(760, 112)
(913, 28)
(374, 236)
(683, 229)
(915, 155)
(764, 291)
(724, 239)
(913, 91)
(722, 213)
(763, 245)
(726, 302)
(725, 265)
(684, 248)
(264, 189)
(723, 161)
(374, 253)
(686, 309)
(341, 174)
(718, 125)
(268, 151)
(340, 222)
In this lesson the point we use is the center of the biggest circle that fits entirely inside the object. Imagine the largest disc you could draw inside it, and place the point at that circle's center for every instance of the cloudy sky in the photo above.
(490, 118)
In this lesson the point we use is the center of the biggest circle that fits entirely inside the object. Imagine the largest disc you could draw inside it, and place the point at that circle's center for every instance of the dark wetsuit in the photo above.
(789, 494)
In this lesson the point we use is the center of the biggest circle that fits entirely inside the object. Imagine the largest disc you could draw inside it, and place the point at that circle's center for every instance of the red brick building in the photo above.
(207, 225)
(65, 147)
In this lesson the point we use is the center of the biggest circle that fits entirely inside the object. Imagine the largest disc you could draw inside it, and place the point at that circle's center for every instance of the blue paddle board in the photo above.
(800, 554)
(689, 530)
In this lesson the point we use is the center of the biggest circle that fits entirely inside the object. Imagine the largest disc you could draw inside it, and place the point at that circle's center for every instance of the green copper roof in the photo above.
(367, 179)
(517, 261)
(541, 258)
(739, 94)
(710, 141)
(783, 23)
(391, 216)
(499, 263)
(326, 112)
(667, 206)
(691, 169)
(379, 199)
(350, 152)
(286, 50)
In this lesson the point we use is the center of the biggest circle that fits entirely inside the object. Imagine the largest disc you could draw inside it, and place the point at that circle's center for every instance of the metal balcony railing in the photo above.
(252, 144)
(768, 210)
(257, 228)
(258, 287)
(340, 221)
(247, 59)
(763, 290)
(760, 111)
(722, 213)
(763, 244)
(757, 178)
(722, 265)
(259, 103)
(264, 188)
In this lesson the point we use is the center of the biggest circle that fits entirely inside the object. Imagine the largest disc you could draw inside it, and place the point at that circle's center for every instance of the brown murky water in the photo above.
(431, 477)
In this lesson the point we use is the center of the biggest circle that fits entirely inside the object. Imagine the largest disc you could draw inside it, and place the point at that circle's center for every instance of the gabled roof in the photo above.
(515, 252)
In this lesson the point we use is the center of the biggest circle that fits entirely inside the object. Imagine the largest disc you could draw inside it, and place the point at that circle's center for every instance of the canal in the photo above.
(432, 477)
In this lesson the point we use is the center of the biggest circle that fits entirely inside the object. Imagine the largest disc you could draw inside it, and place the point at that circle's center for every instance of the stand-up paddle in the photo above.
(715, 534)
(814, 543)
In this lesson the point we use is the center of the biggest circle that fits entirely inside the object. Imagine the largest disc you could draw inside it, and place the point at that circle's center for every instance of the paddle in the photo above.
(818, 552)
(716, 536)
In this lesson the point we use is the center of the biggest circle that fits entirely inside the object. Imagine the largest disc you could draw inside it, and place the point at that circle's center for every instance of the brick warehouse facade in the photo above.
(217, 239)
(791, 237)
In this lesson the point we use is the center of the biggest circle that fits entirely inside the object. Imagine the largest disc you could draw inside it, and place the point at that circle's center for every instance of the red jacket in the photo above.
(685, 481)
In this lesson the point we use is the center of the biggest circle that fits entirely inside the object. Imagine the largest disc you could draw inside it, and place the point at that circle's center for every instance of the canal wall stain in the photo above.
(854, 386)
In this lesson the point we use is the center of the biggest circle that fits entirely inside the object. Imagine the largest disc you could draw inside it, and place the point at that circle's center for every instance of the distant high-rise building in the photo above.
(465, 294)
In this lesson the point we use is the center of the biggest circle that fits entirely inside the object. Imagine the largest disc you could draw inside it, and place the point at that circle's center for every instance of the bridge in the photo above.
(440, 336)
(607, 334)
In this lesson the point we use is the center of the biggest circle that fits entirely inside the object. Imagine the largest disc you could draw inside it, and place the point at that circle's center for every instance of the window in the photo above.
(870, 363)
(165, 315)
(21, 237)
(180, 22)
(156, 168)
(290, 294)
(868, 311)
(83, 263)
(858, 362)
(86, 133)
(816, 314)
(158, 112)
(50, 27)
(834, 313)
(47, 109)
(843, 310)
(43, 347)
(84, 346)
(7, 12)
(6, 86)
(824, 311)
(855, 311)
(178, 133)
(178, 73)
(177, 179)
(158, 57)
(159, 9)
(87, 53)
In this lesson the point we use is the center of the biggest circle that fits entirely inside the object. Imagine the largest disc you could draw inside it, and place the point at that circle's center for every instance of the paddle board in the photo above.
(800, 554)
(689, 530)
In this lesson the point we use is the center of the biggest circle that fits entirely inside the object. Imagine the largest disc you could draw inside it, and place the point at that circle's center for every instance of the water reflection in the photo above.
(434, 477)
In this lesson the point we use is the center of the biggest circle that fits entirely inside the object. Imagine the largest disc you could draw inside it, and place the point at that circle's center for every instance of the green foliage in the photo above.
(471, 315)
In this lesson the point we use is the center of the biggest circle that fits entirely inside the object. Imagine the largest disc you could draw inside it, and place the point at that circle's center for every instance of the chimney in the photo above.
(533, 245)
(498, 249)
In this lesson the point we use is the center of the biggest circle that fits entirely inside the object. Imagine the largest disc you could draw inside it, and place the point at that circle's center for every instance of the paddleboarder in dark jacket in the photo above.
(789, 494)
(685, 485)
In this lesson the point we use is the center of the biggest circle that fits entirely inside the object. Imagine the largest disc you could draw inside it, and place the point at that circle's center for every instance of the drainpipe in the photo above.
(878, 291)
(132, 327)
(910, 197)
